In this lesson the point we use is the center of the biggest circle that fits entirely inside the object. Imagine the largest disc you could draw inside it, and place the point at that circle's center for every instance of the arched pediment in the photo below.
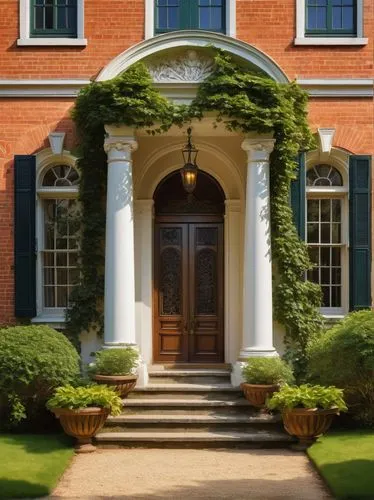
(186, 57)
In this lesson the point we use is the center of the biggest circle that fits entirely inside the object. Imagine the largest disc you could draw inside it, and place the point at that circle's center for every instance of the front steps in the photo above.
(193, 407)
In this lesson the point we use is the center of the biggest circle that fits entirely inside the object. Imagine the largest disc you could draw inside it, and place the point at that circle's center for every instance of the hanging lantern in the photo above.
(189, 170)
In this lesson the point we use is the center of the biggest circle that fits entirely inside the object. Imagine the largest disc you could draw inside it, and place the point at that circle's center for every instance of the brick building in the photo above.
(49, 49)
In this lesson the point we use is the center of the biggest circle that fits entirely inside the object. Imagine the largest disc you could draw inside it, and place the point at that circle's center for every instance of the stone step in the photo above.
(171, 394)
(224, 418)
(192, 376)
(253, 438)
(184, 403)
(186, 388)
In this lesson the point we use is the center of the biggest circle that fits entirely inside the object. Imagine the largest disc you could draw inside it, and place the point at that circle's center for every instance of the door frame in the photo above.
(186, 219)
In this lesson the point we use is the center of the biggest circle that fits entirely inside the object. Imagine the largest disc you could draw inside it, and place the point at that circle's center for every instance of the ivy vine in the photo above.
(244, 102)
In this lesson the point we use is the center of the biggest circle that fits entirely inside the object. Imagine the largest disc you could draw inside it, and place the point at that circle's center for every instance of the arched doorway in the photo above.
(188, 297)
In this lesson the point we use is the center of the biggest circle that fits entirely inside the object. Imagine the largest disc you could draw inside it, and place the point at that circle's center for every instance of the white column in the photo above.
(119, 300)
(257, 277)
(257, 338)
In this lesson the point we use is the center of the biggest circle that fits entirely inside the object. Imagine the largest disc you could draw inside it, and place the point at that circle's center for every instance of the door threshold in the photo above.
(192, 366)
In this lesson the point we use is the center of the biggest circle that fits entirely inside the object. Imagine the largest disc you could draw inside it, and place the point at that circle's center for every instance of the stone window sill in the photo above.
(330, 41)
(47, 42)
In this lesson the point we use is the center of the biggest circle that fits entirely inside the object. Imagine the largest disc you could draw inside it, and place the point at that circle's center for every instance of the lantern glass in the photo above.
(189, 177)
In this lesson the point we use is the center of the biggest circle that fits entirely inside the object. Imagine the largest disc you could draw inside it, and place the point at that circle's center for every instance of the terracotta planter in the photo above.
(123, 384)
(307, 424)
(257, 394)
(82, 424)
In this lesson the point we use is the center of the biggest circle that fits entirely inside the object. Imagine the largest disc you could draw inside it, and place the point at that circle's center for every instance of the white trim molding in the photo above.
(149, 10)
(338, 87)
(302, 39)
(189, 39)
(182, 92)
(24, 29)
(41, 88)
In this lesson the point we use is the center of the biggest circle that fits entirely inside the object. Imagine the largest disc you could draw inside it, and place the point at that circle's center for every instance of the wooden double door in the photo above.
(188, 291)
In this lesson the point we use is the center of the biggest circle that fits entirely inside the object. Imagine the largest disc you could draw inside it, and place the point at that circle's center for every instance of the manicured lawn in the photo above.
(30, 465)
(346, 461)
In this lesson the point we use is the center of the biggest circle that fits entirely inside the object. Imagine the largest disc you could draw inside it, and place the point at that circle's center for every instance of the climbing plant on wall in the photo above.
(244, 102)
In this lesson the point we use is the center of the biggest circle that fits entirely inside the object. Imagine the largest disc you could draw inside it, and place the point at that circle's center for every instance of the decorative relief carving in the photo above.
(126, 144)
(171, 288)
(206, 282)
(171, 236)
(189, 67)
(206, 236)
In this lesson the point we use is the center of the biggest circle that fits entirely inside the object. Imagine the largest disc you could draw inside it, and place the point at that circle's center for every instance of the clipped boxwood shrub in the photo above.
(34, 360)
(344, 356)
(121, 361)
(267, 370)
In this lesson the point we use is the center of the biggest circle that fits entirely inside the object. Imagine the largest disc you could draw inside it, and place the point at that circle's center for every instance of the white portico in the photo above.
(137, 165)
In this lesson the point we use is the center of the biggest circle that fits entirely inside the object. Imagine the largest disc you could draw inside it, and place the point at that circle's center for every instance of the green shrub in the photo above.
(344, 356)
(34, 360)
(307, 396)
(267, 371)
(84, 397)
(121, 361)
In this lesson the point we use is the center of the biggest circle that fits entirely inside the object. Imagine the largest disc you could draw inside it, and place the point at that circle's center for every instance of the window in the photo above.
(51, 22)
(58, 237)
(330, 17)
(173, 15)
(330, 22)
(52, 18)
(326, 229)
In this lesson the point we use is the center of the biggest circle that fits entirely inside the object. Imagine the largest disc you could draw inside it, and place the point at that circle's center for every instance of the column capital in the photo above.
(120, 138)
(259, 148)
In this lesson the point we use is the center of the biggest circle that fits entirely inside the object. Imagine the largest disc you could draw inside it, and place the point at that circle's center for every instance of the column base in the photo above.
(117, 345)
(257, 352)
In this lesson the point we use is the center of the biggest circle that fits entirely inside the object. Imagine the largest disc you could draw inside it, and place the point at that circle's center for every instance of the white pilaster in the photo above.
(144, 283)
(119, 301)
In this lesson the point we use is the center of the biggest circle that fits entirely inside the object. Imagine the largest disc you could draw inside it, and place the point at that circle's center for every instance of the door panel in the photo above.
(188, 292)
(206, 292)
(170, 297)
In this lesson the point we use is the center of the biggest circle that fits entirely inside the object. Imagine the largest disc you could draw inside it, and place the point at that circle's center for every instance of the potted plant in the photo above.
(307, 410)
(263, 376)
(116, 367)
(82, 411)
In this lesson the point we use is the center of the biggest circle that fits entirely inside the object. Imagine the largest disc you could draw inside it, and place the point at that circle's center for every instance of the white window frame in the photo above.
(45, 159)
(149, 30)
(303, 39)
(340, 160)
(24, 29)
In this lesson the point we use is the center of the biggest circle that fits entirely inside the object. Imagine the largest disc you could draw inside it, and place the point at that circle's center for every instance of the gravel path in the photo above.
(191, 474)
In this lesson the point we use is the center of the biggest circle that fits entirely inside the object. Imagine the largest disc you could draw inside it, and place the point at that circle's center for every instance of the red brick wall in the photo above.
(111, 27)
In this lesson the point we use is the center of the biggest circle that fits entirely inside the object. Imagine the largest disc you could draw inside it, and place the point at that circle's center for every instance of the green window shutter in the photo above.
(298, 197)
(24, 235)
(359, 232)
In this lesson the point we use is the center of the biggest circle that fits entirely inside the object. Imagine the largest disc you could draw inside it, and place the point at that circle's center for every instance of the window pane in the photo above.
(48, 13)
(39, 18)
(313, 233)
(62, 296)
(336, 296)
(326, 296)
(347, 23)
(204, 21)
(325, 211)
(336, 210)
(325, 275)
(335, 256)
(313, 255)
(173, 18)
(325, 233)
(336, 276)
(325, 256)
(313, 210)
(49, 298)
(336, 233)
